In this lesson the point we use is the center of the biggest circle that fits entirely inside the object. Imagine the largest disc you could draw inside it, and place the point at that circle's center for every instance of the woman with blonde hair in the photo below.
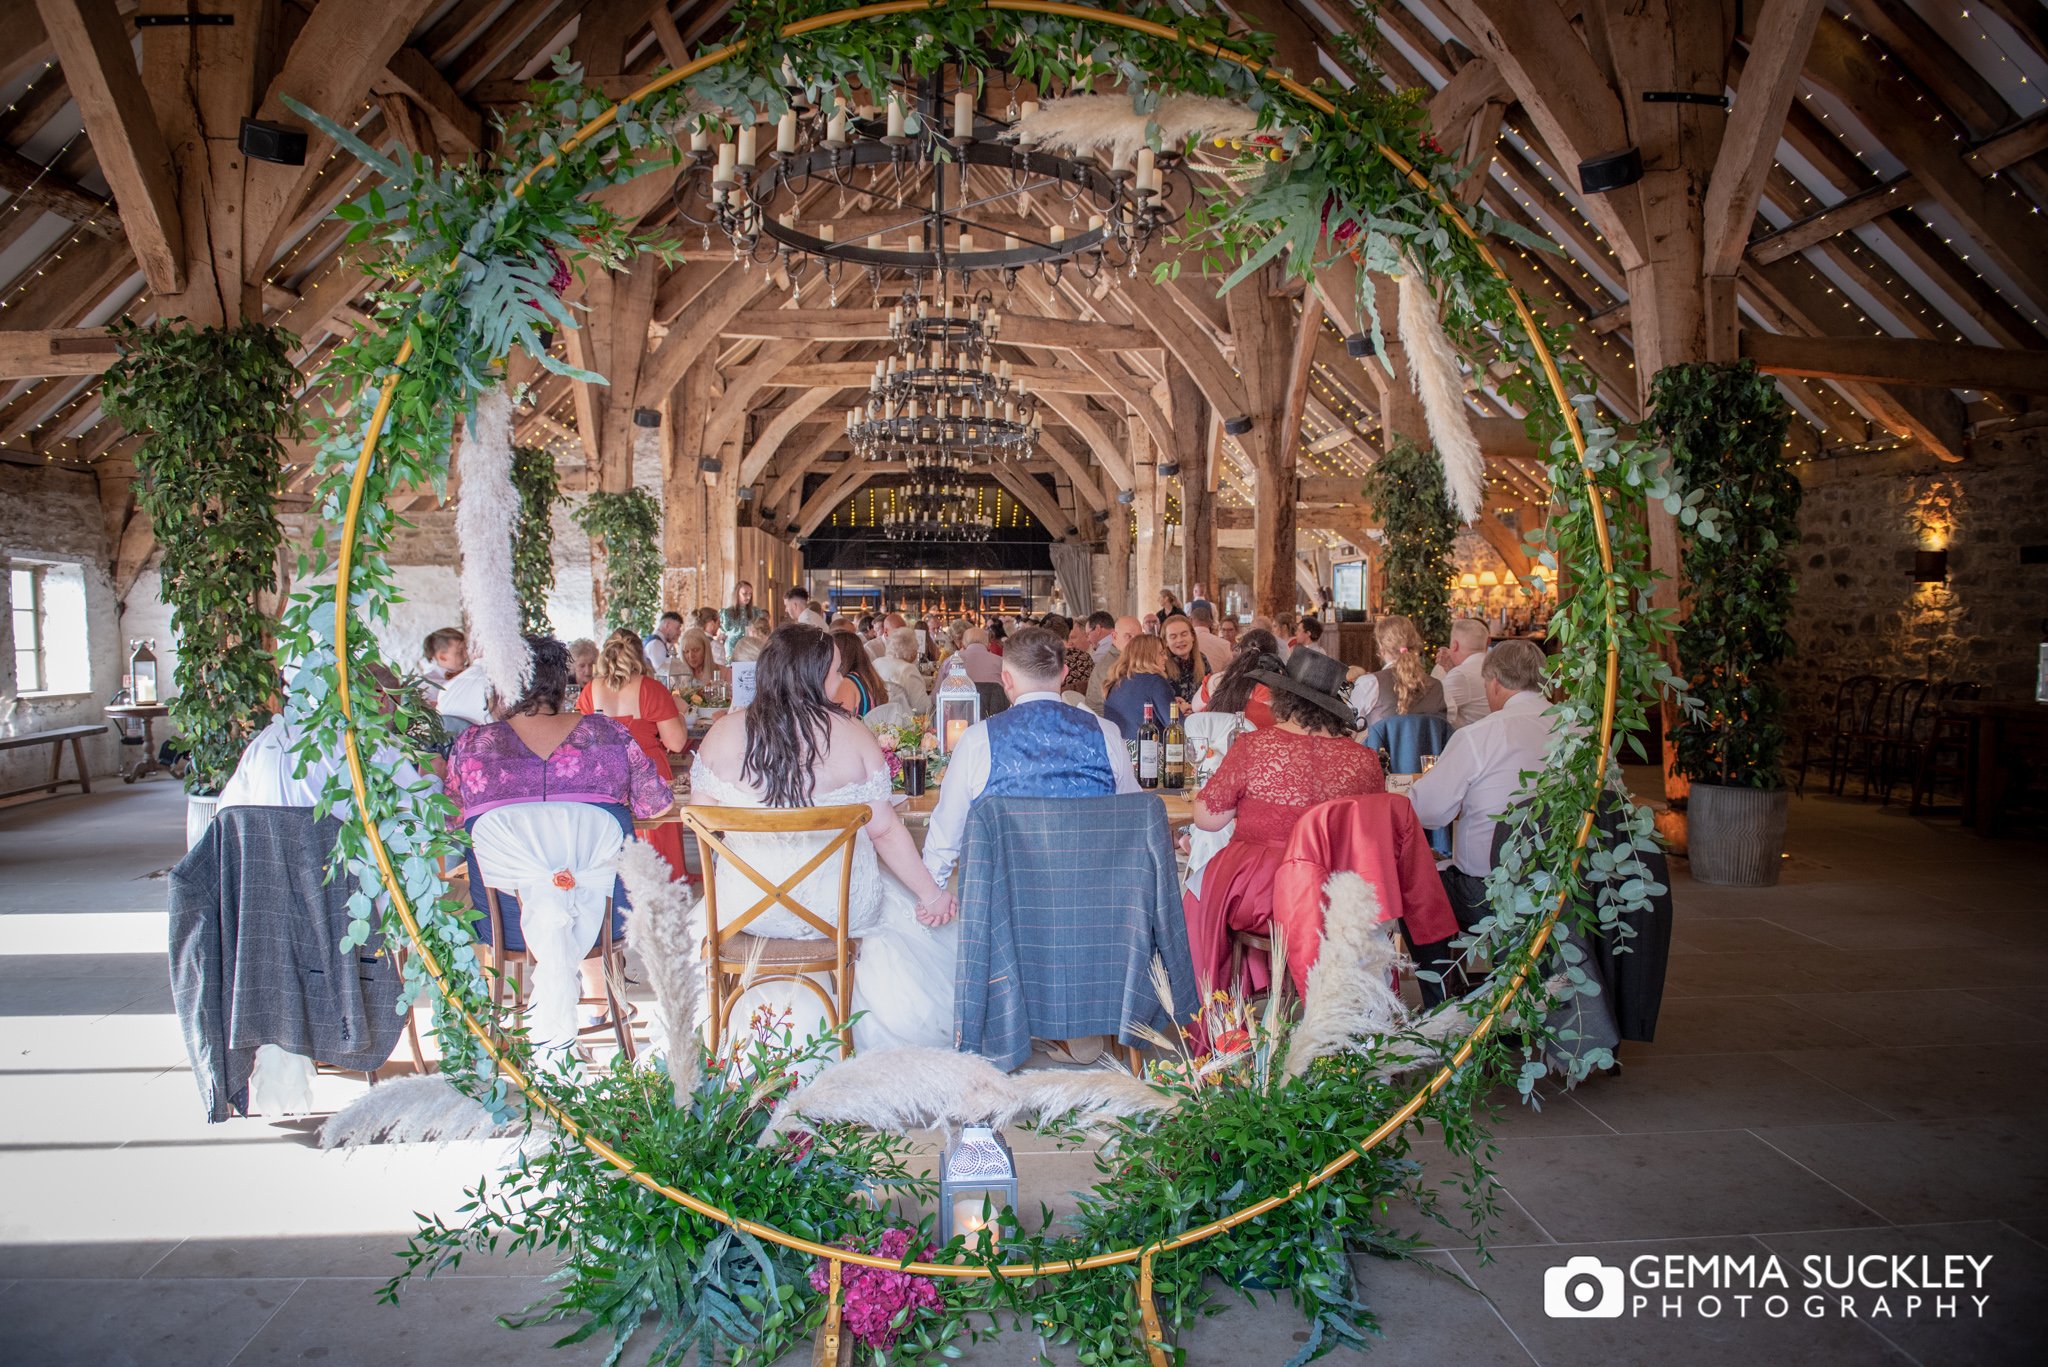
(695, 662)
(1403, 687)
(621, 688)
(1137, 677)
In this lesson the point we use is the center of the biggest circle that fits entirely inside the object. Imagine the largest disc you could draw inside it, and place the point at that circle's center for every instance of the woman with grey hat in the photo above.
(1270, 776)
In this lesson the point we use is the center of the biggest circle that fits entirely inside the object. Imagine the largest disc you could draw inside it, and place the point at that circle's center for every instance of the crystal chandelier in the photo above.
(935, 505)
(938, 395)
(904, 203)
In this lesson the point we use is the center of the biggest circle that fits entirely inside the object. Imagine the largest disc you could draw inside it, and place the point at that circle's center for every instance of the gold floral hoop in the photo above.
(837, 1257)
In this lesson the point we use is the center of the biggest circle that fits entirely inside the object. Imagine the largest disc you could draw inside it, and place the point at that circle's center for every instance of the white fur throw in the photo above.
(1434, 374)
(486, 513)
(899, 1090)
(1089, 124)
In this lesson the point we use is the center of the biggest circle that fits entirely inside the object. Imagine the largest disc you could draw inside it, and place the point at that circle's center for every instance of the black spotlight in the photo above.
(710, 465)
(1168, 469)
(1101, 514)
(647, 417)
(1615, 171)
(1930, 567)
(1359, 344)
(272, 142)
(1125, 496)
(1238, 425)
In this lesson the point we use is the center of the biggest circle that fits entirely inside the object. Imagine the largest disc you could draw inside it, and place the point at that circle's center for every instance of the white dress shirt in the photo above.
(1465, 692)
(1479, 777)
(467, 697)
(657, 650)
(268, 774)
(967, 774)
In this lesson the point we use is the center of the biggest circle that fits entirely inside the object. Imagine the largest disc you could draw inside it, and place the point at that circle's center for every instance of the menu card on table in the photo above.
(743, 682)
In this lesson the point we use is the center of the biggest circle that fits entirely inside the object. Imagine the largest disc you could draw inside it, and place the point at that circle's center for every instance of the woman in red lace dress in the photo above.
(620, 688)
(1267, 780)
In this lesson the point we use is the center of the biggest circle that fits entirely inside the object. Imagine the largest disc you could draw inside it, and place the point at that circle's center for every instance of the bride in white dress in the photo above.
(792, 748)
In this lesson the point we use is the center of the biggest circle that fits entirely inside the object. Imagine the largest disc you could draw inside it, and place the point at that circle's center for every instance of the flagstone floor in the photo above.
(1850, 1063)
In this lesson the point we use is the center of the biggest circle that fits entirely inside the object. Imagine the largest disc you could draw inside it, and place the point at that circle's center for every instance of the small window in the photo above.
(50, 650)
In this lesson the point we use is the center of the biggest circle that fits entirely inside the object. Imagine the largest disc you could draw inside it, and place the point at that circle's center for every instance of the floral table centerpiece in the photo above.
(902, 739)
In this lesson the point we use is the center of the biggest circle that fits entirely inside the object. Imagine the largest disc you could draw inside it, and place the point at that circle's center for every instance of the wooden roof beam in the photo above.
(1749, 147)
(1899, 361)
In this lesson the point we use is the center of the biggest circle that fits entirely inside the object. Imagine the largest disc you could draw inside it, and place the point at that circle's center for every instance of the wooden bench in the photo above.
(55, 740)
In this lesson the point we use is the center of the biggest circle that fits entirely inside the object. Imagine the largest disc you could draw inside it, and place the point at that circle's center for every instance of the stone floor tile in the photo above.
(1514, 1282)
(113, 1258)
(1736, 1025)
(2012, 1326)
(1669, 1186)
(1740, 935)
(436, 1322)
(374, 1255)
(134, 1323)
(1923, 1172)
(1936, 1082)
(1709, 1091)
(1946, 1016)
(2025, 1001)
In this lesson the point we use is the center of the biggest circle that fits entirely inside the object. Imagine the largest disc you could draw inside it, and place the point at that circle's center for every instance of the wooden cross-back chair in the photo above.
(731, 950)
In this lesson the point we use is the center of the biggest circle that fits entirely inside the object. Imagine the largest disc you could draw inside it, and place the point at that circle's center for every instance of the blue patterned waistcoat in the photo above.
(1045, 748)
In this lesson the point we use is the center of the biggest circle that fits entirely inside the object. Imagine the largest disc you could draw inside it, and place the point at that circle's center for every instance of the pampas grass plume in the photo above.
(666, 930)
(1348, 997)
(411, 1110)
(1434, 375)
(486, 515)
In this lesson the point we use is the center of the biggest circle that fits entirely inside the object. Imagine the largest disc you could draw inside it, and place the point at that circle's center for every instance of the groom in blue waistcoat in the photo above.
(1037, 747)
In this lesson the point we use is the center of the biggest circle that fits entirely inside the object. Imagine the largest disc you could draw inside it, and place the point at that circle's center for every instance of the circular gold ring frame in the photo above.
(345, 557)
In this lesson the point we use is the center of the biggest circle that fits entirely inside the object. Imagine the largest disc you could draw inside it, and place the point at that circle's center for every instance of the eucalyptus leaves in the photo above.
(533, 548)
(212, 406)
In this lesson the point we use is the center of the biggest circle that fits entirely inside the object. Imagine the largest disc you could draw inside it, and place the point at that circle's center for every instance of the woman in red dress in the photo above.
(1235, 690)
(1267, 780)
(620, 688)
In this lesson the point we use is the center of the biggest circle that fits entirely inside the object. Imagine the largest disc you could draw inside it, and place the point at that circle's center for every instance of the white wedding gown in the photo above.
(903, 979)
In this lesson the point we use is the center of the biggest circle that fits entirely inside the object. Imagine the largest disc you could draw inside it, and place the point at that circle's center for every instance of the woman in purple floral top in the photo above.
(541, 753)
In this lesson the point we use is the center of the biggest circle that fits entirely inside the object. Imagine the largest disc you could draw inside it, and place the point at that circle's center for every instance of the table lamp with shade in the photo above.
(977, 1182)
(142, 681)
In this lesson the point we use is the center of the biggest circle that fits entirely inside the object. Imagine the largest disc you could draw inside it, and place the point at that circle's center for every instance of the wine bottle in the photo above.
(1148, 750)
(1173, 771)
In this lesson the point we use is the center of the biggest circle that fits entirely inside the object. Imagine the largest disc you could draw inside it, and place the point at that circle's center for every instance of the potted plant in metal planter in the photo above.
(212, 407)
(1725, 426)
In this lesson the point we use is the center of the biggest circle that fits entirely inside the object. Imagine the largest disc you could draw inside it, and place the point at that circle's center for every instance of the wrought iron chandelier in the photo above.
(936, 504)
(940, 393)
(905, 206)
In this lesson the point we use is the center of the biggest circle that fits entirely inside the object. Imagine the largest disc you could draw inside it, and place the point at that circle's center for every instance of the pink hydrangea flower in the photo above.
(871, 1298)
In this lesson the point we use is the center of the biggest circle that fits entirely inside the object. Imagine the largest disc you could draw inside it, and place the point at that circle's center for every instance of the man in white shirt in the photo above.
(1458, 666)
(1483, 770)
(466, 701)
(796, 607)
(983, 665)
(445, 655)
(269, 773)
(660, 646)
(1215, 650)
(898, 668)
(1038, 747)
(878, 644)
(1099, 631)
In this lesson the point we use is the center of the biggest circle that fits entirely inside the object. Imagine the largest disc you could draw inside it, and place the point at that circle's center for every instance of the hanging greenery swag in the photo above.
(533, 540)
(628, 526)
(213, 406)
(1406, 486)
(706, 1237)
(1726, 425)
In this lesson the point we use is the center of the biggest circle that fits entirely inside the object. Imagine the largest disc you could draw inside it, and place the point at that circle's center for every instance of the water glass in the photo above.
(1428, 763)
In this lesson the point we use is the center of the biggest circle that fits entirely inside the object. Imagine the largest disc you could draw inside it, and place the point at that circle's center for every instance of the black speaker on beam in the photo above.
(1358, 344)
(646, 417)
(272, 142)
(1615, 171)
(1238, 425)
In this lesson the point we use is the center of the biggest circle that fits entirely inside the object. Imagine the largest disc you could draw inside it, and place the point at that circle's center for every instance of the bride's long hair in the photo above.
(790, 719)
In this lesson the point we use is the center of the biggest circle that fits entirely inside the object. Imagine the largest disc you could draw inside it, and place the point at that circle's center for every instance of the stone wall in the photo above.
(1858, 609)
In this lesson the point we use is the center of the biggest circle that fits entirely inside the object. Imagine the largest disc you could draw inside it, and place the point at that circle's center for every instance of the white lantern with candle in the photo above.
(977, 1182)
(956, 705)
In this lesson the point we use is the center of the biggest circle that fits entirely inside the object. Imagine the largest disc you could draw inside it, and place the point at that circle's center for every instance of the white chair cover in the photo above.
(521, 849)
(1209, 735)
(891, 713)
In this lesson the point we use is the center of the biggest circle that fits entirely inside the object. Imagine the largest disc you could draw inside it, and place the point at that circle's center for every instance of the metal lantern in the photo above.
(955, 707)
(977, 1181)
(142, 673)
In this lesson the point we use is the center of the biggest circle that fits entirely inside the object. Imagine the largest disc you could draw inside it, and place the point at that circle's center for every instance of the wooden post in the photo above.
(1259, 334)
(1148, 556)
(1192, 423)
(1116, 594)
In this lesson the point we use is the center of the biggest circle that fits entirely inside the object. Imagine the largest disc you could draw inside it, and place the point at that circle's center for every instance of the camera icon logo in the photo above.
(1583, 1289)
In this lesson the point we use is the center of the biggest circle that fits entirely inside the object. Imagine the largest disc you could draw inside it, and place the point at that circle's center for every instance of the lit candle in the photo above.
(785, 132)
(955, 728)
(748, 150)
(963, 115)
(895, 117)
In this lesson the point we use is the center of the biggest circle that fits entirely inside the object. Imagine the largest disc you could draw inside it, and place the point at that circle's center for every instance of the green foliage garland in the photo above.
(1725, 425)
(629, 526)
(213, 406)
(1406, 486)
(473, 261)
(533, 540)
